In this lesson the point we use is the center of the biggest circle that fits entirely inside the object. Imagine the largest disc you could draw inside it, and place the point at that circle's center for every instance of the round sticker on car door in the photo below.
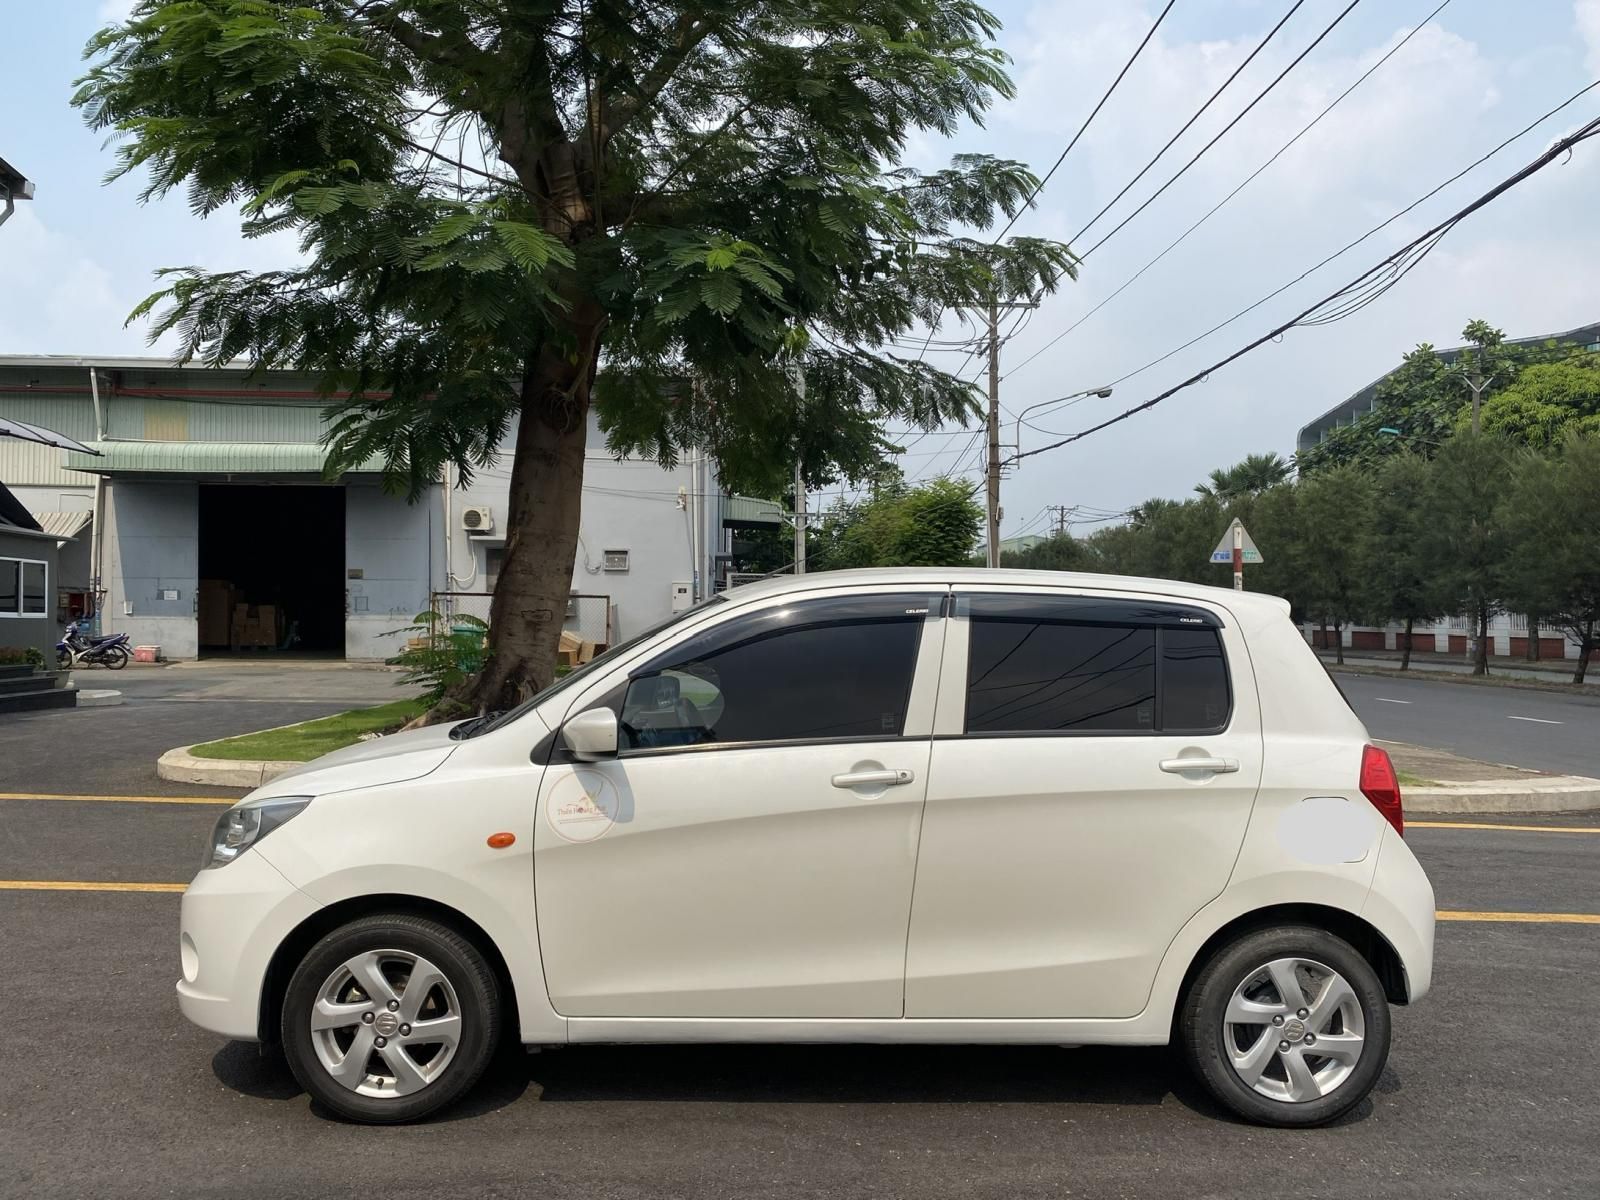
(582, 806)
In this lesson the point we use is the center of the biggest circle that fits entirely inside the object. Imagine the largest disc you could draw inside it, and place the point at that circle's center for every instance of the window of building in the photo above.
(1087, 665)
(811, 671)
(494, 557)
(23, 587)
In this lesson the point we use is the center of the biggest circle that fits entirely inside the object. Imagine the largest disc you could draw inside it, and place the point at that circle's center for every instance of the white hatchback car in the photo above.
(882, 806)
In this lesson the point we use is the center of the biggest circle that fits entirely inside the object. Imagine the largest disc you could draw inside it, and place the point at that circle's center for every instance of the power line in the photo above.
(1348, 246)
(1248, 180)
(1138, 50)
(1262, 95)
(1187, 125)
(1390, 270)
(1201, 153)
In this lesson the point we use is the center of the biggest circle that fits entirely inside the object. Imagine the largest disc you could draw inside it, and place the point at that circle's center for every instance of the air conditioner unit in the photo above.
(614, 560)
(477, 518)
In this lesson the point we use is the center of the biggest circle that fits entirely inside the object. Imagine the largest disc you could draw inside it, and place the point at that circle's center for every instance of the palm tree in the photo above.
(1256, 473)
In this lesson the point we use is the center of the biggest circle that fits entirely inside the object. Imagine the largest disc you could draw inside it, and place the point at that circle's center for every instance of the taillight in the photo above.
(1381, 785)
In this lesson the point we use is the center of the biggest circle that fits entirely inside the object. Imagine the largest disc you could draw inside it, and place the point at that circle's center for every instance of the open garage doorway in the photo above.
(271, 570)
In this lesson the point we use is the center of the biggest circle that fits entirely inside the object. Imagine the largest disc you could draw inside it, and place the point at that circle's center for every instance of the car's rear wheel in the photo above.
(1287, 1026)
(390, 1017)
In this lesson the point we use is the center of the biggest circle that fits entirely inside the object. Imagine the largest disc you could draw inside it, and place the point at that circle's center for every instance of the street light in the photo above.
(1101, 392)
(1391, 431)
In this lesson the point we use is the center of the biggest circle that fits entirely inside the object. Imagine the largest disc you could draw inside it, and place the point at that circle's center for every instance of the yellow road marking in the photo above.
(1522, 918)
(217, 800)
(74, 885)
(1513, 828)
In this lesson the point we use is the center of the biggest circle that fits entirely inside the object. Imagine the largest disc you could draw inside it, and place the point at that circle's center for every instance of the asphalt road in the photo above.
(92, 750)
(1522, 727)
(108, 1092)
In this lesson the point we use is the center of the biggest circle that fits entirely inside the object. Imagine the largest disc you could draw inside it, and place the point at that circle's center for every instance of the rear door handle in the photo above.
(886, 776)
(1217, 766)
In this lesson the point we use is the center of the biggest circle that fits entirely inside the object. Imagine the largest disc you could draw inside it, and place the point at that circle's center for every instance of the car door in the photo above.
(1094, 765)
(749, 852)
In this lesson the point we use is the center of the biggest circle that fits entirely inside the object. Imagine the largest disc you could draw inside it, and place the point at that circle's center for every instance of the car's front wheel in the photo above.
(1287, 1026)
(390, 1017)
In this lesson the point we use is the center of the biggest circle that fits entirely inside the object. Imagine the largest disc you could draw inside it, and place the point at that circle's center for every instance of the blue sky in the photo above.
(78, 258)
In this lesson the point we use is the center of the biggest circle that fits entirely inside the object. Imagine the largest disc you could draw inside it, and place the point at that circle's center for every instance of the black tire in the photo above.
(117, 658)
(1202, 1033)
(476, 992)
(63, 660)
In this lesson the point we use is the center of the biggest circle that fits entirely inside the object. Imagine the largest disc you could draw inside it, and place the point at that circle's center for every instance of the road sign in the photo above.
(1224, 551)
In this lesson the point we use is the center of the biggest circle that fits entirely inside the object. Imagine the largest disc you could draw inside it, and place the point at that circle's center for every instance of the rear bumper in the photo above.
(1401, 907)
(233, 919)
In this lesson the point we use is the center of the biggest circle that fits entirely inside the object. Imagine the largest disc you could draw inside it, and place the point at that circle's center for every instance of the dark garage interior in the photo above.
(271, 569)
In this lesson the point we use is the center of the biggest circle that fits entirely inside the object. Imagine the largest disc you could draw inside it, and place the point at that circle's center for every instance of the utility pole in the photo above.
(799, 521)
(994, 425)
(1061, 511)
(1479, 386)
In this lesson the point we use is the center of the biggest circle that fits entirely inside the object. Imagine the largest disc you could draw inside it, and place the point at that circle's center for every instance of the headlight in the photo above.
(243, 825)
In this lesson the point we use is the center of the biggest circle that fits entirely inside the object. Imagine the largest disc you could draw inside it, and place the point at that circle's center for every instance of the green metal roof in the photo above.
(208, 458)
(748, 510)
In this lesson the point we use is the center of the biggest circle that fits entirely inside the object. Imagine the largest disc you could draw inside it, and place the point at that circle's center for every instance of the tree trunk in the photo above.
(1480, 660)
(1585, 648)
(1338, 642)
(1405, 646)
(1533, 638)
(546, 495)
(1324, 634)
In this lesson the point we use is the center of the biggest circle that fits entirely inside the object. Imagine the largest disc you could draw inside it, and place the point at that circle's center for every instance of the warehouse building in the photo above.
(205, 525)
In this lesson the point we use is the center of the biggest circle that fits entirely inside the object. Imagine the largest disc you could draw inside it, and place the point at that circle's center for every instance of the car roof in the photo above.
(972, 577)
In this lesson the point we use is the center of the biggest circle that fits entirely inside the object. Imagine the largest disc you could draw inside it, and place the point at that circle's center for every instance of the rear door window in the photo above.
(1086, 665)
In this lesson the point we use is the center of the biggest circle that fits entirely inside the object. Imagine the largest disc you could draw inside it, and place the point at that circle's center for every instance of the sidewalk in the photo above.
(1453, 784)
(1548, 671)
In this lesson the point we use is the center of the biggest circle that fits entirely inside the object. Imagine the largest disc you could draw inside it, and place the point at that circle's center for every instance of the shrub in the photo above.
(450, 651)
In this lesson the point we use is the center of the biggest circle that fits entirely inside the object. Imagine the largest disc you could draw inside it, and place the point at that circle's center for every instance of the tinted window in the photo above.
(807, 671)
(1054, 676)
(1194, 681)
(10, 572)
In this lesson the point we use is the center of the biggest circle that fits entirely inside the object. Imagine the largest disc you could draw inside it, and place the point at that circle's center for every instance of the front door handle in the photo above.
(884, 776)
(1217, 766)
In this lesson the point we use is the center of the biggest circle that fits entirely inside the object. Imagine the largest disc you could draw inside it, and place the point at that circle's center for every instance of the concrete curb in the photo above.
(1556, 793)
(98, 698)
(180, 766)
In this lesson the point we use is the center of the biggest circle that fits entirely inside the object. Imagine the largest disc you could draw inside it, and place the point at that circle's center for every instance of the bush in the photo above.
(12, 656)
(451, 652)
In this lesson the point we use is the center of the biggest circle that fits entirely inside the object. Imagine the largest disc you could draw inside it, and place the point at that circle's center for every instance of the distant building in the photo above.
(208, 497)
(1013, 545)
(1348, 412)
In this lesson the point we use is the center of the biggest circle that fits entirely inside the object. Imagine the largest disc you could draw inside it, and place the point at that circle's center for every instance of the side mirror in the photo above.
(591, 735)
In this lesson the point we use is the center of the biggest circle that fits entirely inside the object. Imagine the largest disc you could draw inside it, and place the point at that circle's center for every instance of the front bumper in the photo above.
(233, 919)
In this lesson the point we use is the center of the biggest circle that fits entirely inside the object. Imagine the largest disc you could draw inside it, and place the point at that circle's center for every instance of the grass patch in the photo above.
(1407, 779)
(312, 739)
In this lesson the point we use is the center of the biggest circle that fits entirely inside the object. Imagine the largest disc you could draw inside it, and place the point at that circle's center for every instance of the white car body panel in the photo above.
(735, 894)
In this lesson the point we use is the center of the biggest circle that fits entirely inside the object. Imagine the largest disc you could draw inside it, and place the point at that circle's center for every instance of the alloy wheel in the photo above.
(386, 1023)
(1294, 1030)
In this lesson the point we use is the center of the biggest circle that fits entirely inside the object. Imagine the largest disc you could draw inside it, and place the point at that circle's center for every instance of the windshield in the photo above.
(579, 673)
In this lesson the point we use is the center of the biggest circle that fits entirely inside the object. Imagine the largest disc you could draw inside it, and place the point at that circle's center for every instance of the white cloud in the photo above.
(114, 12)
(58, 298)
(1587, 13)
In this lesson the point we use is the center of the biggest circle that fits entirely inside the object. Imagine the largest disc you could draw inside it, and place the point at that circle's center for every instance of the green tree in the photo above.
(1334, 519)
(1402, 579)
(1420, 398)
(1552, 519)
(1466, 538)
(934, 524)
(1255, 473)
(1058, 552)
(1547, 401)
(496, 200)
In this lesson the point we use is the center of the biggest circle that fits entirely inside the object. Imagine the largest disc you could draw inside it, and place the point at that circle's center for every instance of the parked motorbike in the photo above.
(78, 649)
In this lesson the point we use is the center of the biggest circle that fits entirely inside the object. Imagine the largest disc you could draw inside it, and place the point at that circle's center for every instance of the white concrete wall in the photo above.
(392, 544)
(630, 505)
(152, 544)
